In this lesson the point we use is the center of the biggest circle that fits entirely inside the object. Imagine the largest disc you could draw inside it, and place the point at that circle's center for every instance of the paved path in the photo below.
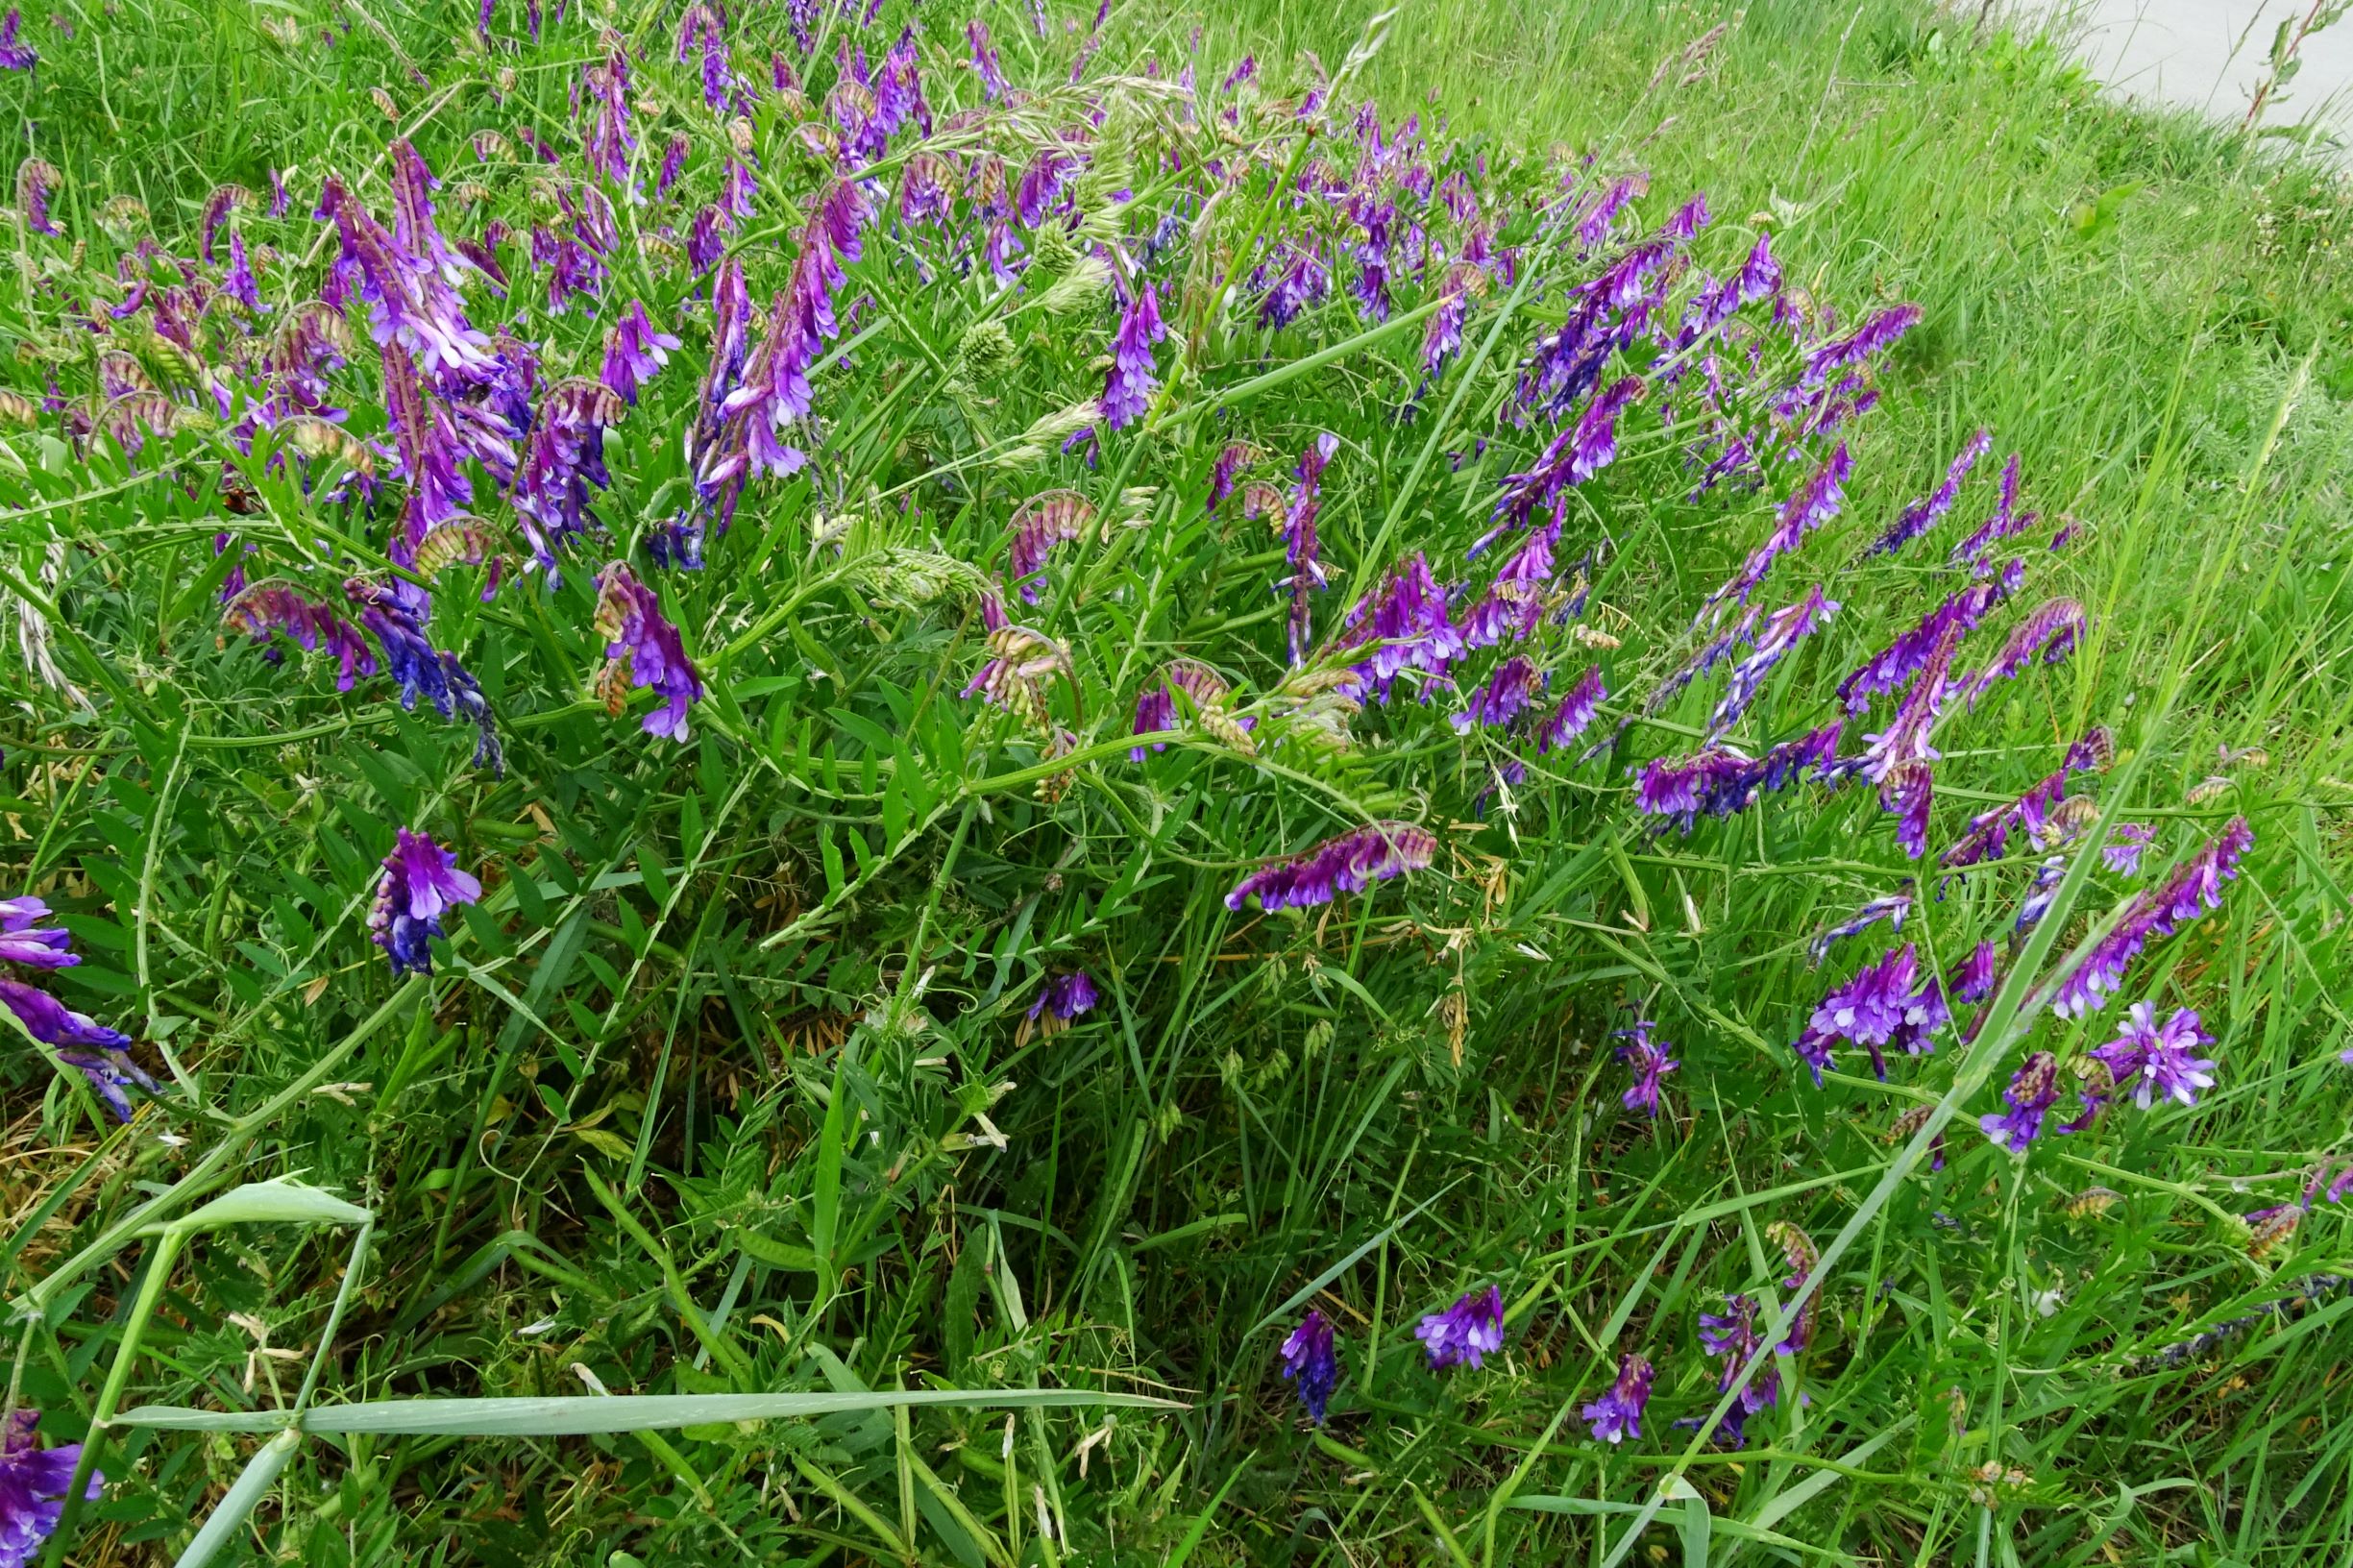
(2210, 55)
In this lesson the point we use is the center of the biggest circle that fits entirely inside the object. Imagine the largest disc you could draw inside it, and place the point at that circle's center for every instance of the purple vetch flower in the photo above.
(82, 1042)
(2194, 889)
(1471, 1329)
(16, 55)
(2041, 894)
(1403, 626)
(1043, 185)
(2126, 843)
(994, 87)
(1230, 460)
(1618, 1413)
(1594, 223)
(2050, 633)
(237, 281)
(608, 140)
(280, 198)
(1878, 1006)
(1877, 334)
(37, 181)
(635, 350)
(775, 390)
(273, 608)
(1575, 455)
(2030, 1097)
(2007, 520)
(1893, 667)
(644, 650)
(1155, 714)
(2159, 1059)
(1908, 789)
(1570, 717)
(421, 884)
(1513, 601)
(34, 1481)
(1650, 1061)
(1808, 507)
(564, 458)
(1925, 513)
(411, 302)
(1895, 908)
(704, 242)
(1063, 998)
(1734, 1336)
(34, 946)
(674, 163)
(1301, 551)
(1988, 832)
(1779, 632)
(1309, 1361)
(1442, 334)
(1506, 696)
(1350, 863)
(417, 670)
(1053, 517)
(1978, 973)
(1129, 383)
(1298, 288)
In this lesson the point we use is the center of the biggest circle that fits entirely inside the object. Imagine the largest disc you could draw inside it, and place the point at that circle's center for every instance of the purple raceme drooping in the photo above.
(37, 181)
(1507, 694)
(1618, 1413)
(1230, 460)
(1979, 971)
(562, 461)
(1779, 632)
(1350, 863)
(16, 55)
(1924, 514)
(1402, 625)
(1060, 1001)
(2049, 634)
(1054, 517)
(1722, 781)
(1893, 667)
(1734, 1336)
(1571, 715)
(1299, 286)
(1514, 602)
(1302, 549)
(2127, 843)
(1875, 337)
(1575, 454)
(421, 884)
(635, 350)
(1813, 503)
(2159, 1060)
(608, 140)
(273, 608)
(406, 274)
(1879, 1006)
(2007, 520)
(1129, 383)
(1894, 909)
(1988, 832)
(34, 1481)
(1465, 1333)
(419, 671)
(994, 87)
(1155, 715)
(98, 1053)
(24, 940)
(2193, 890)
(2031, 1093)
(1908, 790)
(642, 649)
(1309, 1364)
(1650, 1061)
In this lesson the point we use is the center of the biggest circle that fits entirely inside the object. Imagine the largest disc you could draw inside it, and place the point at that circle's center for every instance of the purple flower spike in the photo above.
(37, 181)
(2031, 1093)
(1066, 996)
(421, 884)
(1924, 514)
(644, 650)
(1575, 713)
(1504, 696)
(1894, 909)
(2194, 888)
(1302, 549)
(1978, 973)
(1618, 1413)
(1779, 632)
(1649, 1060)
(1809, 507)
(635, 350)
(34, 1481)
(1575, 454)
(1514, 603)
(1128, 385)
(15, 55)
(34, 946)
(2126, 843)
(2007, 520)
(1405, 622)
(2159, 1059)
(1733, 1336)
(2050, 633)
(1308, 1363)
(1908, 791)
(1350, 863)
(1471, 1329)
(1155, 712)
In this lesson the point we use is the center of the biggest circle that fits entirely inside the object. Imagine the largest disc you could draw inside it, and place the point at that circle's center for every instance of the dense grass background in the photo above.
(2153, 312)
